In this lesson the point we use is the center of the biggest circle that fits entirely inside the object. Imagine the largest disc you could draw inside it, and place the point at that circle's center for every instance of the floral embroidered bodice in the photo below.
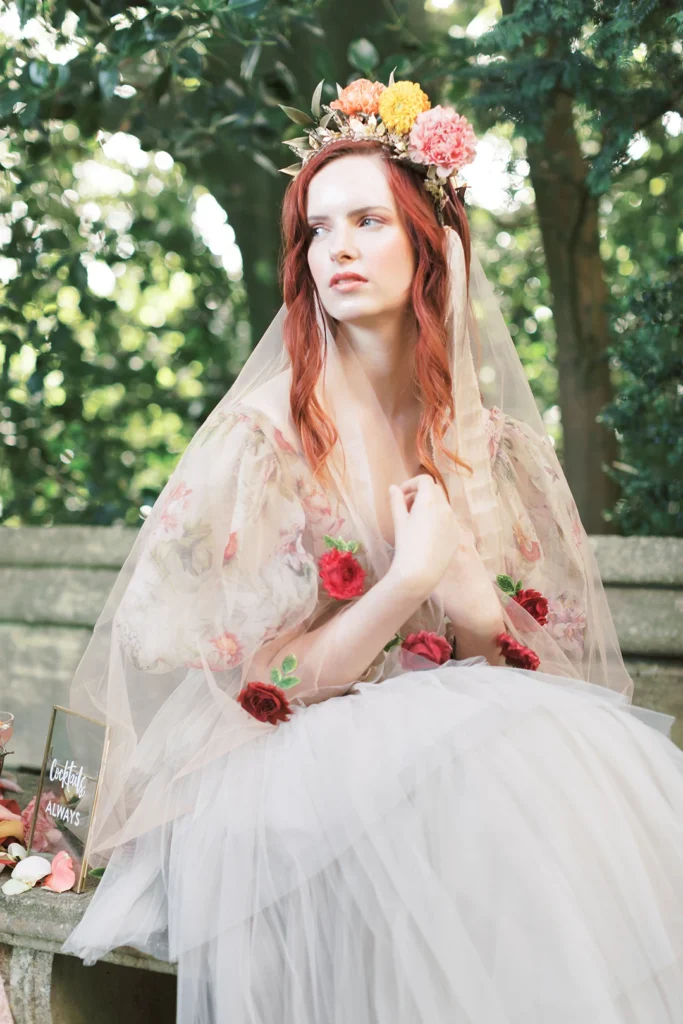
(276, 515)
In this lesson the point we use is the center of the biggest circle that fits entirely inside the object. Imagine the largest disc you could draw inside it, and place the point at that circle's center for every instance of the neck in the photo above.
(383, 350)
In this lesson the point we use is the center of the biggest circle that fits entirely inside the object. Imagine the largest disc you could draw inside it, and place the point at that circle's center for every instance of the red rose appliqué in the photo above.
(342, 575)
(428, 645)
(265, 702)
(517, 655)
(533, 602)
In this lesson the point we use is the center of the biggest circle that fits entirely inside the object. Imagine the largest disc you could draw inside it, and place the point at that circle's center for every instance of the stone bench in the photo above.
(53, 584)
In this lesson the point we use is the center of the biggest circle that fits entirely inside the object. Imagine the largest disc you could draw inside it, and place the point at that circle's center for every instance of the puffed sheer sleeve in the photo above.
(225, 568)
(548, 551)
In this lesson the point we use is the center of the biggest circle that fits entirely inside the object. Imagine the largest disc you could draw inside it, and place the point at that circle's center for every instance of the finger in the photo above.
(425, 489)
(398, 505)
(413, 483)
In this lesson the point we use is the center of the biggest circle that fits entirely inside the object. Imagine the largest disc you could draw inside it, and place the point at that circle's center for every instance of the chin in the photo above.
(354, 308)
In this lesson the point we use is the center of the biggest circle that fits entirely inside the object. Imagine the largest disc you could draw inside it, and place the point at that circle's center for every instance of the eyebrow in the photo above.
(352, 213)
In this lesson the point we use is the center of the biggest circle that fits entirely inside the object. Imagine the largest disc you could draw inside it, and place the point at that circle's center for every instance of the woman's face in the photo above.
(355, 229)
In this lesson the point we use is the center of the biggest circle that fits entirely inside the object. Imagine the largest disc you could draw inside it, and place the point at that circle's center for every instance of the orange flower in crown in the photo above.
(437, 141)
(361, 97)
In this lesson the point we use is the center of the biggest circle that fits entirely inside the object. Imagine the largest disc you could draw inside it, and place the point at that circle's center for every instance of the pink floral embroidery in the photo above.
(294, 553)
(567, 624)
(282, 442)
(577, 528)
(178, 497)
(229, 648)
(230, 547)
(270, 470)
(317, 507)
(530, 548)
(227, 653)
(493, 427)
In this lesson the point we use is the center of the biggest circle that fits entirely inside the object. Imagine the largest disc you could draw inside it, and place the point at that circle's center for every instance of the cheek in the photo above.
(395, 262)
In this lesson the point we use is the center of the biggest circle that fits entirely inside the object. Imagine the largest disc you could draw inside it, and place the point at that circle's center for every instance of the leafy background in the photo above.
(139, 238)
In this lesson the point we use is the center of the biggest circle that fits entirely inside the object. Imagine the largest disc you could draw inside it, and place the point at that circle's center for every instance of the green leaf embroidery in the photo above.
(288, 681)
(341, 545)
(506, 584)
(283, 677)
(289, 664)
(395, 641)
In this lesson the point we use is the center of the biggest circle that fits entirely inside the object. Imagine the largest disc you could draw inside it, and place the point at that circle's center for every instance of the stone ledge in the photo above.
(124, 956)
(639, 560)
(622, 560)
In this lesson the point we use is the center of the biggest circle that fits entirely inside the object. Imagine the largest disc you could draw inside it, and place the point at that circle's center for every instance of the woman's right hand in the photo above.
(426, 531)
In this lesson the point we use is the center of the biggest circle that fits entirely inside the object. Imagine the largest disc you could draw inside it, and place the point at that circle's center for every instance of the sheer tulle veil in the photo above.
(169, 716)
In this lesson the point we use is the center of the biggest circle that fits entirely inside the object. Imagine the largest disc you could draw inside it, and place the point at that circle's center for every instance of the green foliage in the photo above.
(648, 412)
(119, 331)
(621, 63)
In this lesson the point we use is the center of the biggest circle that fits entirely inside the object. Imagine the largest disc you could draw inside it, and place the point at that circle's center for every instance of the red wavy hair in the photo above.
(429, 298)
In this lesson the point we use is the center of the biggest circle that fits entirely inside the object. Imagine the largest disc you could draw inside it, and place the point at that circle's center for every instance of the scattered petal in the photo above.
(13, 886)
(32, 869)
(17, 851)
(62, 877)
(15, 829)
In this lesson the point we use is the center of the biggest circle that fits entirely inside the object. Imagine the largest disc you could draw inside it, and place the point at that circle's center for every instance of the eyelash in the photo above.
(368, 217)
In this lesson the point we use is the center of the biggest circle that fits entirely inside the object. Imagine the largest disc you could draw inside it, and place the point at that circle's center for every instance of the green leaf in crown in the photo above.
(342, 545)
(508, 585)
(282, 677)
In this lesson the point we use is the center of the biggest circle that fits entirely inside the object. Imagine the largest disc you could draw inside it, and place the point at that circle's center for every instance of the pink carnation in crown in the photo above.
(443, 137)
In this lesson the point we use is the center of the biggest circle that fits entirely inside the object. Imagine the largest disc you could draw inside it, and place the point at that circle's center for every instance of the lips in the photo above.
(340, 278)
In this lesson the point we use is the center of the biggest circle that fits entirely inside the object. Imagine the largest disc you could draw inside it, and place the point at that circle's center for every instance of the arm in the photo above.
(471, 603)
(333, 656)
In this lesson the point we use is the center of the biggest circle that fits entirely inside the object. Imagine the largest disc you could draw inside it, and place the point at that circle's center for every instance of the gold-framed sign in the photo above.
(66, 800)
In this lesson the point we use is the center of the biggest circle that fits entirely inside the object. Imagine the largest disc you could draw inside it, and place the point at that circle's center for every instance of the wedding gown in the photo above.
(453, 844)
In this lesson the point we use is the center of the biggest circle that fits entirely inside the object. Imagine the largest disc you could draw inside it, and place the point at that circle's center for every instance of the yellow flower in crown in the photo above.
(436, 141)
(400, 104)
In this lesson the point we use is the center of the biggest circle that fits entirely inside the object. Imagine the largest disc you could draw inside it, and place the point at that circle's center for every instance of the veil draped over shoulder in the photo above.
(225, 567)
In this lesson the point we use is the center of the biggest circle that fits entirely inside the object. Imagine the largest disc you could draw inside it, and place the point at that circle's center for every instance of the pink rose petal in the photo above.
(62, 877)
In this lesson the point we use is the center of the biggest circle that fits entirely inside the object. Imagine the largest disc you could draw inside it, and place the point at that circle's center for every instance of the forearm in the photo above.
(476, 615)
(331, 657)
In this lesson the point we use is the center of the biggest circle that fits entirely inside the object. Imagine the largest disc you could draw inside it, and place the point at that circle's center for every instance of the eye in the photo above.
(376, 219)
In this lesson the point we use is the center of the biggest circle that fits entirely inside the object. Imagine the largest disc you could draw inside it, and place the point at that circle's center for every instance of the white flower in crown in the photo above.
(436, 140)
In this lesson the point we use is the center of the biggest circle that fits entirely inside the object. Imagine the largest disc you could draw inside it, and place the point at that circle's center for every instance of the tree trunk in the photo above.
(568, 217)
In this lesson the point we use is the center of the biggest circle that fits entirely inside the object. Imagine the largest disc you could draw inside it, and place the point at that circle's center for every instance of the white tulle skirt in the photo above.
(462, 845)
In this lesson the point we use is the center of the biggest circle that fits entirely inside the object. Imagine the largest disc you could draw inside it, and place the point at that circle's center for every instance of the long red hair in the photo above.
(430, 288)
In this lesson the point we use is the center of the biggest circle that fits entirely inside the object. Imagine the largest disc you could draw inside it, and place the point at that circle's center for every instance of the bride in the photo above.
(373, 753)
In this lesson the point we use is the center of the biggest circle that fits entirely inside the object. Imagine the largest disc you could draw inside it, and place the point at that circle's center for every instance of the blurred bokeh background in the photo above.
(139, 224)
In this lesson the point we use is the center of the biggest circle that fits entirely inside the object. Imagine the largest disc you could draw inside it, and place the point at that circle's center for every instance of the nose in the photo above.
(342, 247)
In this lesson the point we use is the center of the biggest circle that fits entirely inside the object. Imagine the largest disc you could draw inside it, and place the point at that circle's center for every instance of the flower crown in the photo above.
(436, 140)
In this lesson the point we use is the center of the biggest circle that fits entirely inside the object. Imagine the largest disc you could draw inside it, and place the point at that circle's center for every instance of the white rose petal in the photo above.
(13, 886)
(31, 870)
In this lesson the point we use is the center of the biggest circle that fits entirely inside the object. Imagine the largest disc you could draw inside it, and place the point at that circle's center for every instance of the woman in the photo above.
(373, 753)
